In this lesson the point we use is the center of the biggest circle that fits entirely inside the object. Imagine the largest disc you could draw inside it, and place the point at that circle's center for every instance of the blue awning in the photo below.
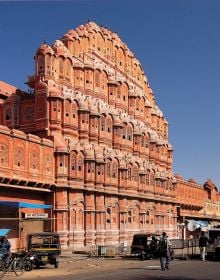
(4, 231)
(19, 204)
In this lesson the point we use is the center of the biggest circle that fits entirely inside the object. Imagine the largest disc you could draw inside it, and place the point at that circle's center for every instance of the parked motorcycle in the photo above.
(28, 258)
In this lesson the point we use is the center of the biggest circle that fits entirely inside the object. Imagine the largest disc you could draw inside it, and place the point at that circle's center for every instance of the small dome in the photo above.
(192, 181)
(54, 92)
(89, 154)
(83, 105)
(73, 34)
(99, 156)
(43, 49)
(117, 122)
(60, 49)
(67, 37)
(39, 85)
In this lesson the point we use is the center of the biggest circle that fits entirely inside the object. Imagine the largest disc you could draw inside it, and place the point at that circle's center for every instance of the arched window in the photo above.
(119, 92)
(73, 162)
(130, 134)
(48, 63)
(114, 170)
(147, 178)
(108, 169)
(138, 104)
(61, 66)
(4, 154)
(8, 115)
(80, 163)
(142, 141)
(97, 79)
(129, 216)
(135, 175)
(102, 123)
(152, 178)
(124, 132)
(19, 157)
(109, 125)
(136, 215)
(68, 69)
(108, 216)
(129, 173)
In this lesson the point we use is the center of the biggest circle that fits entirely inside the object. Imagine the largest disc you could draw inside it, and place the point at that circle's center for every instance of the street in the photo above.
(124, 269)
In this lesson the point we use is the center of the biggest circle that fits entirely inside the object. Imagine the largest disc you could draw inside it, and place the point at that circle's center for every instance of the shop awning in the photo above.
(4, 231)
(199, 223)
(20, 204)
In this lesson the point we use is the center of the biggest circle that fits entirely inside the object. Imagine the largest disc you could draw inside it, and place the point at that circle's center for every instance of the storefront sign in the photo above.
(36, 215)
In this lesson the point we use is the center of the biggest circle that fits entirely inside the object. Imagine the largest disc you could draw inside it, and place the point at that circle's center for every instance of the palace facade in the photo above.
(89, 139)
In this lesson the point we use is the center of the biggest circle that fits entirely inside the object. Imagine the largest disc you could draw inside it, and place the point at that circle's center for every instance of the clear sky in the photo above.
(177, 43)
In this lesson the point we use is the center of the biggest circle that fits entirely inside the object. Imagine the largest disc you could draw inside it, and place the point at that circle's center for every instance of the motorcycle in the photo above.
(28, 259)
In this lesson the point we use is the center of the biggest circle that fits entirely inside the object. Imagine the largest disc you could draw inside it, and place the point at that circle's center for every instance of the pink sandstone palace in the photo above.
(89, 140)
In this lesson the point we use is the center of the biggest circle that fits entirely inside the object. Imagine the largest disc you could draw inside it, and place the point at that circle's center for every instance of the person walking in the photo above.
(164, 251)
(203, 241)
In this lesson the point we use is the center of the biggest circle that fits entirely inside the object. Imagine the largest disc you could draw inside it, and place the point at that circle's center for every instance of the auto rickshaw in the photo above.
(45, 247)
(142, 246)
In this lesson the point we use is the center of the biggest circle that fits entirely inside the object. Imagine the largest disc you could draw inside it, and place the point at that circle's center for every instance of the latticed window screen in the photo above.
(124, 132)
(129, 173)
(102, 123)
(80, 163)
(129, 133)
(108, 169)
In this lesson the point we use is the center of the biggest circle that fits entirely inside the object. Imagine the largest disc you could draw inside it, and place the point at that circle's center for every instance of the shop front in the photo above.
(23, 218)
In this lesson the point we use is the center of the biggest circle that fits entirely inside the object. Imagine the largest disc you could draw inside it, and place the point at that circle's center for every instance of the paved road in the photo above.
(125, 270)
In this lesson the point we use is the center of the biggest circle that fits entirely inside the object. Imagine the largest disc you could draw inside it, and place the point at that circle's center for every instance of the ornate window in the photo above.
(19, 157)
(129, 216)
(129, 173)
(68, 69)
(114, 170)
(135, 174)
(152, 179)
(80, 163)
(48, 163)
(142, 178)
(129, 133)
(48, 63)
(97, 79)
(102, 123)
(147, 178)
(124, 132)
(108, 169)
(108, 216)
(8, 115)
(61, 66)
(35, 160)
(109, 125)
(4, 154)
(142, 140)
(29, 113)
(73, 162)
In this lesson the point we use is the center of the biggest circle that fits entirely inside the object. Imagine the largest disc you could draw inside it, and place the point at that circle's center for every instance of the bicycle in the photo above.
(16, 265)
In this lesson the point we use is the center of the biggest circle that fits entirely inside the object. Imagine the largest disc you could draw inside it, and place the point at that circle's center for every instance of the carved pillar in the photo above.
(89, 219)
(100, 219)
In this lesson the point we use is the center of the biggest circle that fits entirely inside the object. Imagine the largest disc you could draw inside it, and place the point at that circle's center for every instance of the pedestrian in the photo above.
(154, 247)
(203, 241)
(164, 251)
(5, 249)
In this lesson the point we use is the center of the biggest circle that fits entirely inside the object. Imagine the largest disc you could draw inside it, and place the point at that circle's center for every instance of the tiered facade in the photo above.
(89, 132)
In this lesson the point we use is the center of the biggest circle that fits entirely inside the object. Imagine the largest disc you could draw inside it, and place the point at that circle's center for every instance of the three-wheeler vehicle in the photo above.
(45, 247)
(213, 247)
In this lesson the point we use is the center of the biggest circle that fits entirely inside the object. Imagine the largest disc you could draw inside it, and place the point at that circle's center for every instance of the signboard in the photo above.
(36, 215)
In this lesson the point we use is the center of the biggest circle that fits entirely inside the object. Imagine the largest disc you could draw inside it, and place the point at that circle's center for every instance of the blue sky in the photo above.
(177, 42)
